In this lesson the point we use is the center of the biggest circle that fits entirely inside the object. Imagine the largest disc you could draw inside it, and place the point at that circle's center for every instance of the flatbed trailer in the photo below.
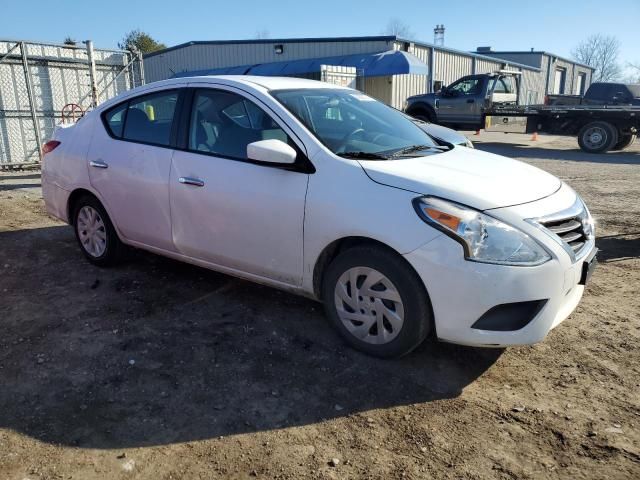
(598, 128)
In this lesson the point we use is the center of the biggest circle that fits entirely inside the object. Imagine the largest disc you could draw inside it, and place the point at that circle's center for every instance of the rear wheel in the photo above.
(95, 233)
(625, 141)
(597, 137)
(376, 301)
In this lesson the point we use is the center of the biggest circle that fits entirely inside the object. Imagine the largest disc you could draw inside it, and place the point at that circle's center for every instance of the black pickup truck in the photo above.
(601, 93)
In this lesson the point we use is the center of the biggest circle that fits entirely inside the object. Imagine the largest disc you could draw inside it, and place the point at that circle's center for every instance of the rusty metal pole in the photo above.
(92, 74)
(136, 55)
(140, 66)
(32, 105)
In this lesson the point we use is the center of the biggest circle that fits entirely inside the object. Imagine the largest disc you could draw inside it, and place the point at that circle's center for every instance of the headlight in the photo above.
(483, 238)
(469, 144)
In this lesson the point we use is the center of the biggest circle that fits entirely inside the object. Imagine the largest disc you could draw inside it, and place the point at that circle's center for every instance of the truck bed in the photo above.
(564, 110)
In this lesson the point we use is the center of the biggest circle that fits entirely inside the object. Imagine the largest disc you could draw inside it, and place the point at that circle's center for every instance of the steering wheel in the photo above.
(347, 138)
(72, 112)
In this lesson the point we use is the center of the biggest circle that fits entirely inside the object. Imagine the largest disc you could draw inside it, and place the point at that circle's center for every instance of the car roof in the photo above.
(252, 81)
(269, 83)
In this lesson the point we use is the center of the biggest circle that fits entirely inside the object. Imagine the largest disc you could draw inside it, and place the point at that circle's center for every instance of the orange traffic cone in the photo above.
(477, 132)
(534, 137)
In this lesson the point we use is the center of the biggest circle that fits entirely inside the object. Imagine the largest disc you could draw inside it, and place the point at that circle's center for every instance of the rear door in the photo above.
(129, 163)
(462, 101)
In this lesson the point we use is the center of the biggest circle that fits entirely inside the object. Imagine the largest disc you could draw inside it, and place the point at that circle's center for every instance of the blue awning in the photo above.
(391, 62)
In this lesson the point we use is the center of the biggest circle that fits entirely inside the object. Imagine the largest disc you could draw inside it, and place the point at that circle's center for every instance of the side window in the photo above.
(149, 118)
(470, 86)
(224, 123)
(114, 119)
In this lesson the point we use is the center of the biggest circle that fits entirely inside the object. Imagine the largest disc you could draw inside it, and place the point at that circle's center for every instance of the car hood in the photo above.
(443, 133)
(478, 179)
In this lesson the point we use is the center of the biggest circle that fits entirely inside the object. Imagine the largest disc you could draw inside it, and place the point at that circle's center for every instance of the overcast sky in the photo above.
(554, 26)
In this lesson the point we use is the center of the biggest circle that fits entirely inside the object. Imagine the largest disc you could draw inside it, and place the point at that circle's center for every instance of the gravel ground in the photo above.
(160, 370)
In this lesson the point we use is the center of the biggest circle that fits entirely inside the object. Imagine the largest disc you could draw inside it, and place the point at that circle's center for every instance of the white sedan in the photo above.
(323, 191)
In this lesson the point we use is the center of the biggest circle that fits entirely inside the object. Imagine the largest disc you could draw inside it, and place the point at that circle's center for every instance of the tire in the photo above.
(95, 233)
(361, 329)
(597, 137)
(625, 141)
(424, 115)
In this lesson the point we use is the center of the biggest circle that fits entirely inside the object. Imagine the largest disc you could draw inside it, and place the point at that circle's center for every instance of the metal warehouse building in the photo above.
(388, 68)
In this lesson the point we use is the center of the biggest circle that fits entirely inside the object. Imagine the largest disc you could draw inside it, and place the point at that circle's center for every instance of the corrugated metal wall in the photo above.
(380, 88)
(487, 66)
(405, 86)
(449, 67)
(532, 87)
(199, 57)
(545, 82)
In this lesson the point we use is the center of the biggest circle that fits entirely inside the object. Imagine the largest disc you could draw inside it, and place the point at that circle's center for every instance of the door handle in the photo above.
(196, 182)
(471, 100)
(98, 164)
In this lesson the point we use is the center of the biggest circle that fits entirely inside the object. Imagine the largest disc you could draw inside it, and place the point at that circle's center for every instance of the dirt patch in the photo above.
(159, 370)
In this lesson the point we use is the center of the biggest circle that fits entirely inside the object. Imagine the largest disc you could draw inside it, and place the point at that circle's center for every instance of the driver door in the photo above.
(461, 101)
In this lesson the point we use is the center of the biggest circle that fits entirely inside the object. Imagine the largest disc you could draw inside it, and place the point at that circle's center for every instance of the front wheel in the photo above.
(424, 115)
(376, 301)
(597, 137)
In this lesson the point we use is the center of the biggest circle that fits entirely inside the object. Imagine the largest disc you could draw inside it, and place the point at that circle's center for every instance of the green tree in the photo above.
(141, 41)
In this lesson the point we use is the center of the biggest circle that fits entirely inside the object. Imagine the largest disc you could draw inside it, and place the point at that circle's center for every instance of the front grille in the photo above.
(570, 230)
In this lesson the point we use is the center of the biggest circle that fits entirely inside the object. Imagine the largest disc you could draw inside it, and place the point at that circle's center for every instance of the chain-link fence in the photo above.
(37, 80)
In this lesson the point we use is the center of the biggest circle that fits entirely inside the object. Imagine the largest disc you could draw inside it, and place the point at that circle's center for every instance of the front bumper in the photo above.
(462, 291)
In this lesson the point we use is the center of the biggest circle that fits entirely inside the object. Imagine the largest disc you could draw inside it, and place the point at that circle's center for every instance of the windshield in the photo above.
(354, 125)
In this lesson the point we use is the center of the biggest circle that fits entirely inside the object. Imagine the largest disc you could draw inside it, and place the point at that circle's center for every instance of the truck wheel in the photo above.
(625, 142)
(424, 115)
(597, 137)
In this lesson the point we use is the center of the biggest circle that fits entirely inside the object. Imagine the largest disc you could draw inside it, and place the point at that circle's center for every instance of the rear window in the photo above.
(149, 118)
(115, 120)
(635, 90)
(146, 119)
(504, 85)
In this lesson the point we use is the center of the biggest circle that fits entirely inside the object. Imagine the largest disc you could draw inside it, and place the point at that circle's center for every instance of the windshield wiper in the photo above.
(363, 155)
(413, 148)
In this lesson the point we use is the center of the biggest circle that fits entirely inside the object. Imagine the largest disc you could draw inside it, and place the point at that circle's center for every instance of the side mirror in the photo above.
(271, 151)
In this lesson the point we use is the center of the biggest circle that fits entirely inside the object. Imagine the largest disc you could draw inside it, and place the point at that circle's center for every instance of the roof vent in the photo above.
(484, 50)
